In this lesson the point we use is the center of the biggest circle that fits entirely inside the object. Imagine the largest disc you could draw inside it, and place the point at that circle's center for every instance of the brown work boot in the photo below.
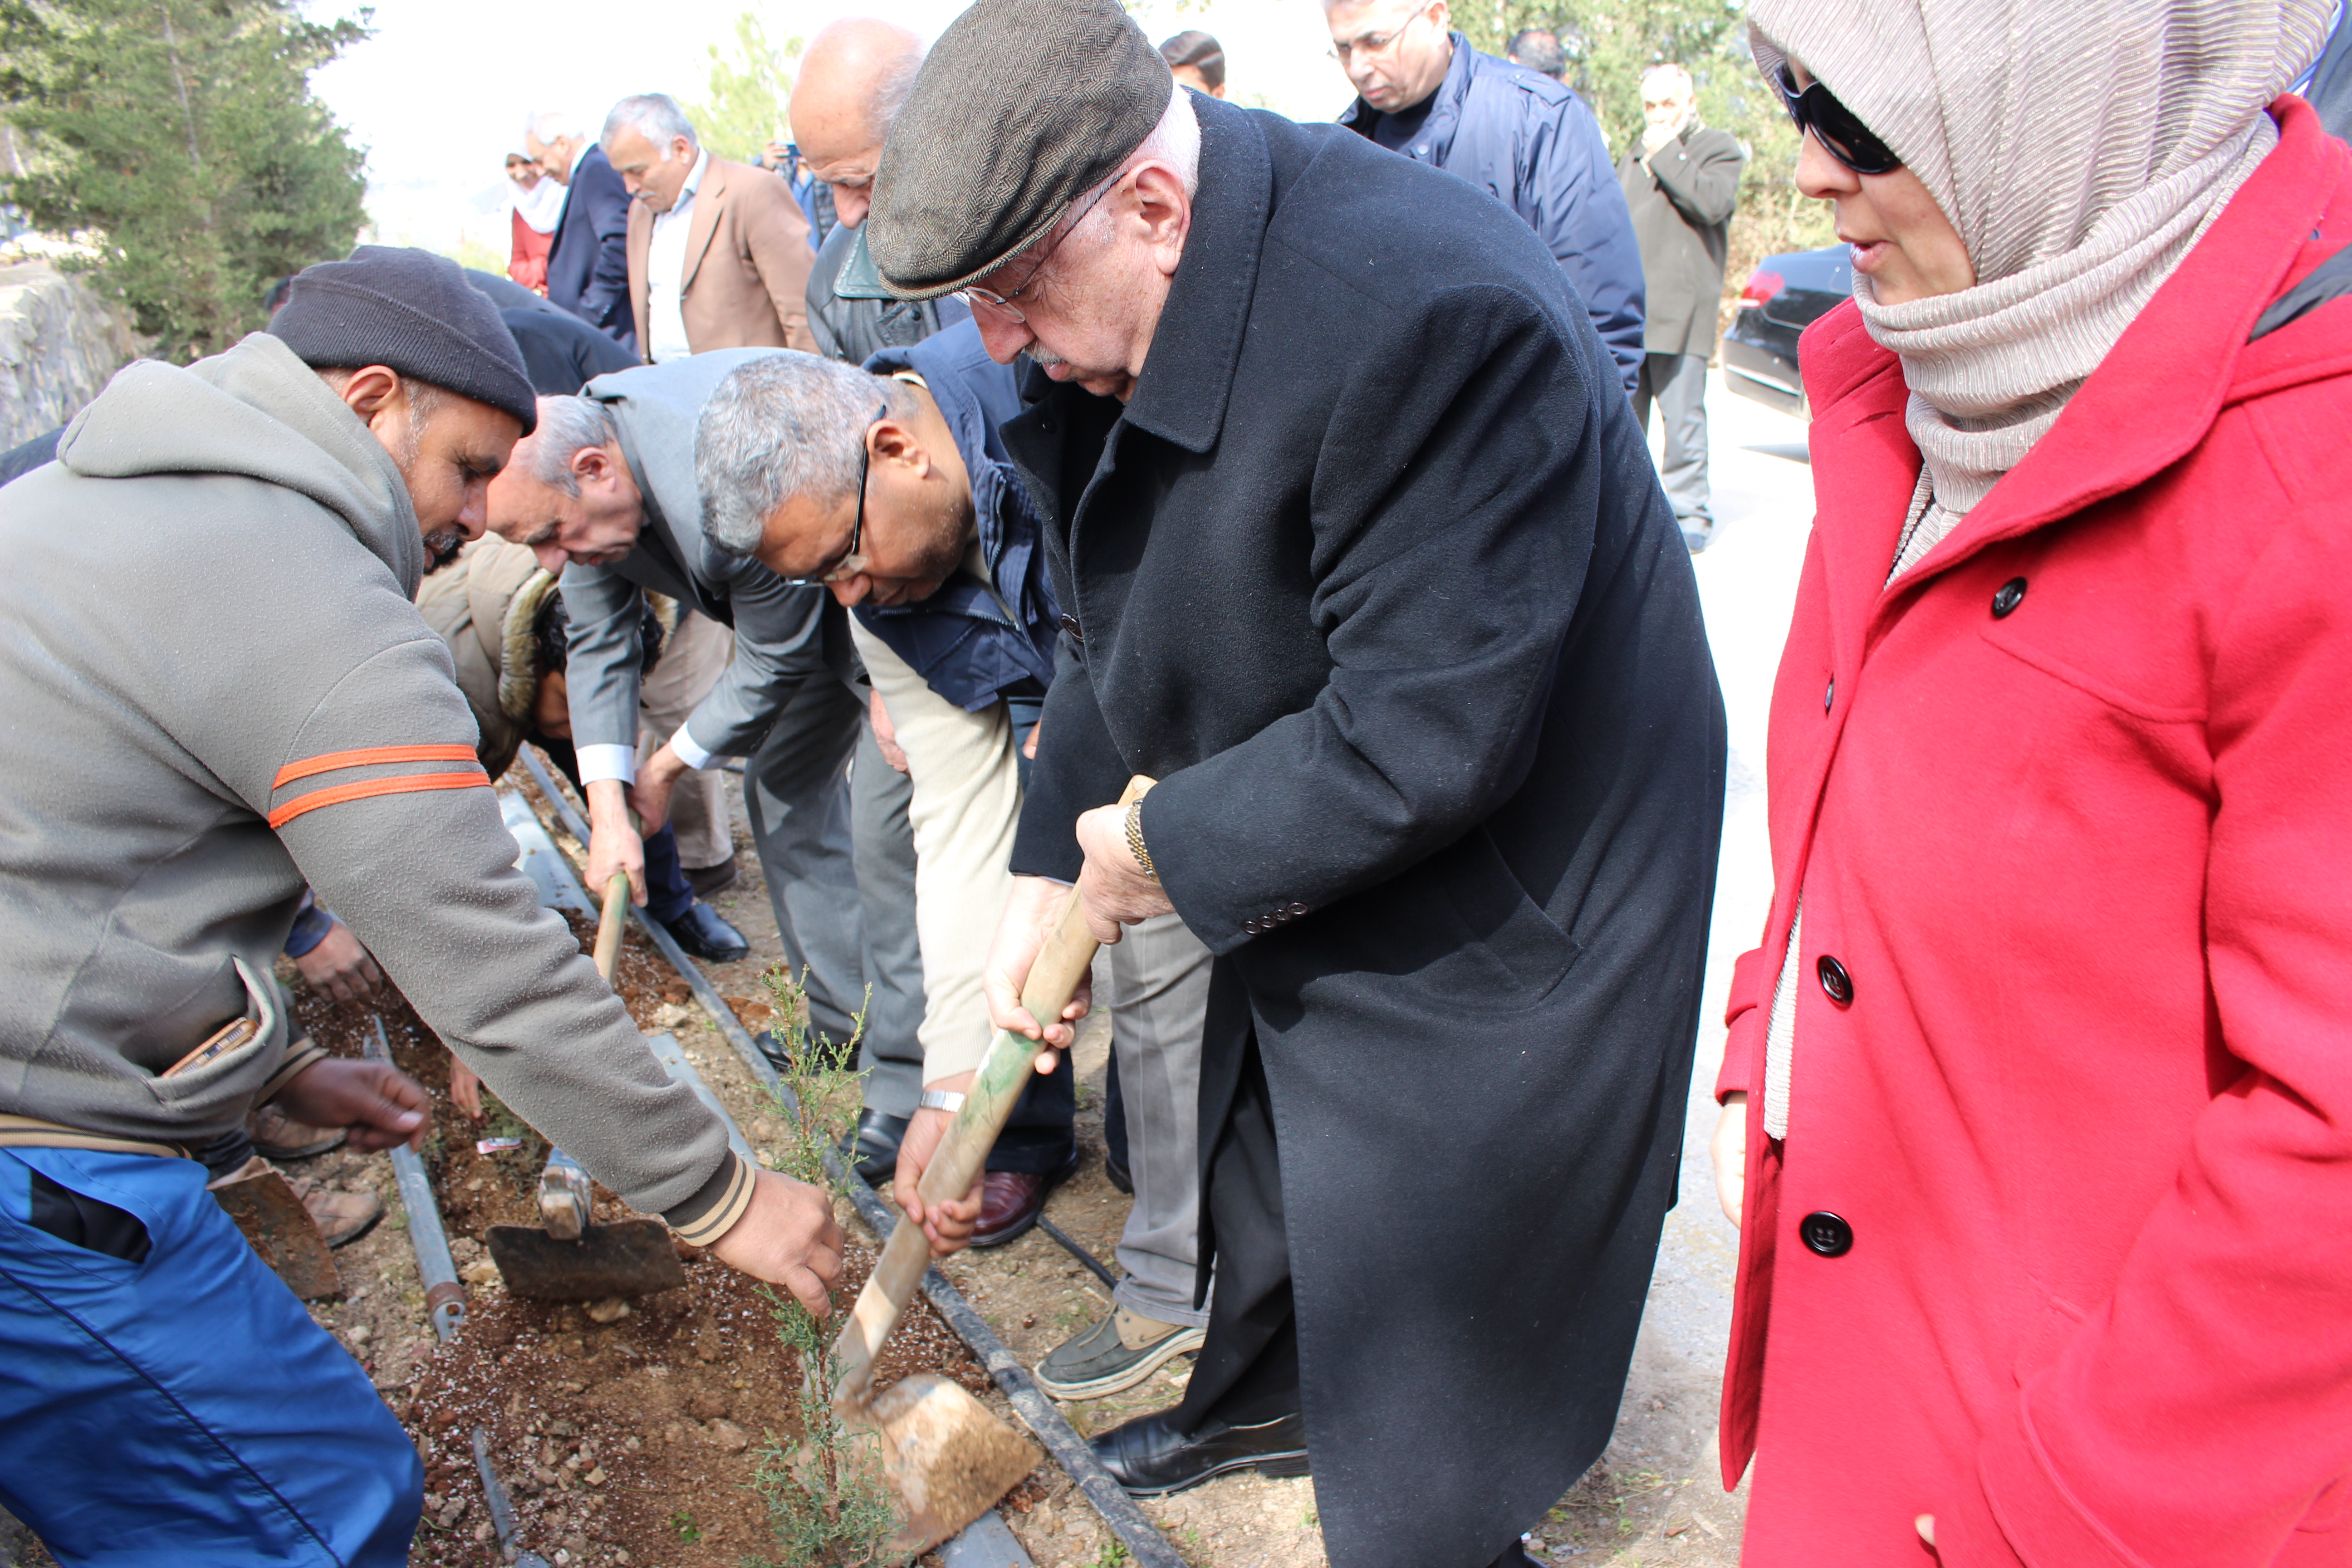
(278, 1136)
(343, 1217)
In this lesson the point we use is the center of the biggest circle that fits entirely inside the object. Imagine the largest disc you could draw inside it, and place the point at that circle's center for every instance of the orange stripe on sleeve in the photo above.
(369, 757)
(405, 784)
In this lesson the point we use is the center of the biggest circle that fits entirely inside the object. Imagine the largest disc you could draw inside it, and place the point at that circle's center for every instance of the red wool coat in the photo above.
(2069, 807)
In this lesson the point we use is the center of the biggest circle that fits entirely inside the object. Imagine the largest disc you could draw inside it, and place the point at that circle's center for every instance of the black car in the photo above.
(1785, 295)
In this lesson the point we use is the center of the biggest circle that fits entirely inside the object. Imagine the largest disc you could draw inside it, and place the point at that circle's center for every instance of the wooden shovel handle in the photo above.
(609, 928)
(1062, 962)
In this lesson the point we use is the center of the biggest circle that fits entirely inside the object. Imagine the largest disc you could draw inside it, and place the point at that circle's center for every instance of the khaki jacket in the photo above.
(485, 605)
(747, 264)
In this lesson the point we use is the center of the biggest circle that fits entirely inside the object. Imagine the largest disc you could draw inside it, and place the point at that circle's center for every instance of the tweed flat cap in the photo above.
(1022, 106)
(413, 312)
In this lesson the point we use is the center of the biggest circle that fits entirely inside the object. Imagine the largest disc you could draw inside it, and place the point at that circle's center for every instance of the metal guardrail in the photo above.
(1144, 1543)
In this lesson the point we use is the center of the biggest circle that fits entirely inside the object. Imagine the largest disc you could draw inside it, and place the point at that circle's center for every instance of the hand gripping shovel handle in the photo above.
(1062, 962)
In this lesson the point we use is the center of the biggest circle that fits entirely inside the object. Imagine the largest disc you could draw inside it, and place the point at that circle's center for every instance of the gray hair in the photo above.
(551, 125)
(893, 88)
(785, 424)
(1175, 142)
(1668, 80)
(654, 115)
(568, 427)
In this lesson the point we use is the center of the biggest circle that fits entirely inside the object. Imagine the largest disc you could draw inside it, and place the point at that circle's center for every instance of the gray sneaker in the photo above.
(1117, 1354)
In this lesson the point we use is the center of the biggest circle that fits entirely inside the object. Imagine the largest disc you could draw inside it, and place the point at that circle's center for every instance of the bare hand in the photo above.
(1728, 1149)
(651, 794)
(948, 1224)
(1029, 746)
(886, 734)
(788, 1236)
(1117, 890)
(465, 1087)
(1029, 915)
(379, 1103)
(612, 844)
(338, 968)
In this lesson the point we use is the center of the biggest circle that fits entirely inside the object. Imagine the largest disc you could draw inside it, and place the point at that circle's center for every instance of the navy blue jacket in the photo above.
(975, 642)
(588, 266)
(1529, 141)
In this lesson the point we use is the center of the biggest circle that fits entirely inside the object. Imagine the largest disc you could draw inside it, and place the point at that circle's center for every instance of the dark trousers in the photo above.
(1248, 1368)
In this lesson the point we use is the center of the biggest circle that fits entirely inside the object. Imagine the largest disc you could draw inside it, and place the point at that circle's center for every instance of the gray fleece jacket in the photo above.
(214, 688)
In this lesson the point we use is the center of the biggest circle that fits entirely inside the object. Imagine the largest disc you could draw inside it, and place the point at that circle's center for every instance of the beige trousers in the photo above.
(692, 660)
(966, 805)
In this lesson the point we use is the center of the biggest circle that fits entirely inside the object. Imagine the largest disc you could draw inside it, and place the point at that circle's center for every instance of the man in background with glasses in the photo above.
(1516, 134)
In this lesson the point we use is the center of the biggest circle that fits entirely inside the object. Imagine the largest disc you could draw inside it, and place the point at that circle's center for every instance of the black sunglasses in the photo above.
(1842, 136)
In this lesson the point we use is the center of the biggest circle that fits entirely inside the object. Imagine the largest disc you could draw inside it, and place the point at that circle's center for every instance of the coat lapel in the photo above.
(2157, 392)
(704, 221)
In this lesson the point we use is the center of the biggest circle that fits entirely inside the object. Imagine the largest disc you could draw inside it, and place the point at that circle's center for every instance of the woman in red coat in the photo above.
(2039, 1091)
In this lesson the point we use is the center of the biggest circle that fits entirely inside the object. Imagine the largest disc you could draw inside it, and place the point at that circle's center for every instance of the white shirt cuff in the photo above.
(682, 741)
(608, 763)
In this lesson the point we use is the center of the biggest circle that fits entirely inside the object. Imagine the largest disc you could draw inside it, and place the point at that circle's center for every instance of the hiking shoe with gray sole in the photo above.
(1117, 1354)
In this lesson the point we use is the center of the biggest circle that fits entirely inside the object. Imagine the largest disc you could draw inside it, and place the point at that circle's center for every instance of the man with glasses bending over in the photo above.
(1360, 557)
(611, 486)
(1514, 133)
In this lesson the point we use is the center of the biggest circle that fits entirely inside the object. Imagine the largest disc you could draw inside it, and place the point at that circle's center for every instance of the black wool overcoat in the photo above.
(1373, 574)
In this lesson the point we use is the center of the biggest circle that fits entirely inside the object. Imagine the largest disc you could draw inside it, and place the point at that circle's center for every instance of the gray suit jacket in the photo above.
(784, 635)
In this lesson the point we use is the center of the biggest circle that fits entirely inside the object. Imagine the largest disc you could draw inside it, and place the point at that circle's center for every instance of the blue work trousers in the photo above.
(182, 1408)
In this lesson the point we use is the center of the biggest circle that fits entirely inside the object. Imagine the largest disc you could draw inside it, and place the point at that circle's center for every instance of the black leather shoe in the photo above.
(1121, 1176)
(874, 1145)
(1149, 1458)
(701, 933)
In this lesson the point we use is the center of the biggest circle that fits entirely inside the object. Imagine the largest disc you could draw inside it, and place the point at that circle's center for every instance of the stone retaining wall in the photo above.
(59, 345)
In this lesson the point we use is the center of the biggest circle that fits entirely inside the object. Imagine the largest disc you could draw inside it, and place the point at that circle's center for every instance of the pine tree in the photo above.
(181, 137)
(743, 103)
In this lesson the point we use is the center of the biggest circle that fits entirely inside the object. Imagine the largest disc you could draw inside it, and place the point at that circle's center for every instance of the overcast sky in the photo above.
(438, 96)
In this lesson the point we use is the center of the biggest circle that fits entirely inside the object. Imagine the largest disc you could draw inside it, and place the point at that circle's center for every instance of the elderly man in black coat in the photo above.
(1361, 558)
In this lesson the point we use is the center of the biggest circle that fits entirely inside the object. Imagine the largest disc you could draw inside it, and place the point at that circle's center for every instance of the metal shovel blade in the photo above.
(273, 1220)
(630, 1257)
(947, 1458)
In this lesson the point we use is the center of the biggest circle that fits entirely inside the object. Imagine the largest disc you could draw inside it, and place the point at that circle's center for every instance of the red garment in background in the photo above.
(2068, 804)
(528, 266)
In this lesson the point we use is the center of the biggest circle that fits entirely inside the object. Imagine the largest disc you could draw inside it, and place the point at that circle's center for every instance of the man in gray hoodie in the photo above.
(192, 741)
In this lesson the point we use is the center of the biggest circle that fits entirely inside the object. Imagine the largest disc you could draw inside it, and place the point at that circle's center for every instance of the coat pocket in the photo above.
(241, 1070)
(1502, 923)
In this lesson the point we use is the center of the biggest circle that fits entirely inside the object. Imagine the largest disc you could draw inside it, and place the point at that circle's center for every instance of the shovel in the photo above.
(949, 1458)
(574, 1259)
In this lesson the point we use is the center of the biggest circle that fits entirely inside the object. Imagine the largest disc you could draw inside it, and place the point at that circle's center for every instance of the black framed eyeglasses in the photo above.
(838, 568)
(1842, 133)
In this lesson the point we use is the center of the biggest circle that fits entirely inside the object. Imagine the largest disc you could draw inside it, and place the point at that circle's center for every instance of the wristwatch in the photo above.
(945, 1099)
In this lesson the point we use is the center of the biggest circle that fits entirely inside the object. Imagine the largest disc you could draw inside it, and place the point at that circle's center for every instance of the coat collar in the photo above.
(1188, 373)
(709, 195)
(2148, 404)
(1436, 138)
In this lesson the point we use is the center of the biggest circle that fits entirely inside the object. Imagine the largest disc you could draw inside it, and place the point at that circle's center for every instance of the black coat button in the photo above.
(1070, 625)
(1835, 981)
(1826, 1234)
(1251, 927)
(1297, 909)
(1829, 698)
(2008, 596)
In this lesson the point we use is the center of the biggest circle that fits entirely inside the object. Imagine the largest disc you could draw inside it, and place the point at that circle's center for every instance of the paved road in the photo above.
(1747, 582)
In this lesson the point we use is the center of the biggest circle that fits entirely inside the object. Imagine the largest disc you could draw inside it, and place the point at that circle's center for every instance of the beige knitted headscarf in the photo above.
(2080, 147)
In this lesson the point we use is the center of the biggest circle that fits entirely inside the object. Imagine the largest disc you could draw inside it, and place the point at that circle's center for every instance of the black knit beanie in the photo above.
(413, 312)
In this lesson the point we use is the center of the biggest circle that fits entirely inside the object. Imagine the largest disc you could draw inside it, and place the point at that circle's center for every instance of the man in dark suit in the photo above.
(1359, 555)
(561, 353)
(588, 266)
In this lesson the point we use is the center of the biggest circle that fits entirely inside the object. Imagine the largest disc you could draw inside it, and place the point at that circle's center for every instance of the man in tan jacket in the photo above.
(718, 252)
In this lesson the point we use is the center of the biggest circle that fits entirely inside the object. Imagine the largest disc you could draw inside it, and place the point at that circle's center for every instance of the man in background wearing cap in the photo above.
(197, 741)
(1362, 559)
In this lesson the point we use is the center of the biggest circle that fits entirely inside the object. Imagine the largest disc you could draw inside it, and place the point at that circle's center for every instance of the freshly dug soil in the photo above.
(631, 1441)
